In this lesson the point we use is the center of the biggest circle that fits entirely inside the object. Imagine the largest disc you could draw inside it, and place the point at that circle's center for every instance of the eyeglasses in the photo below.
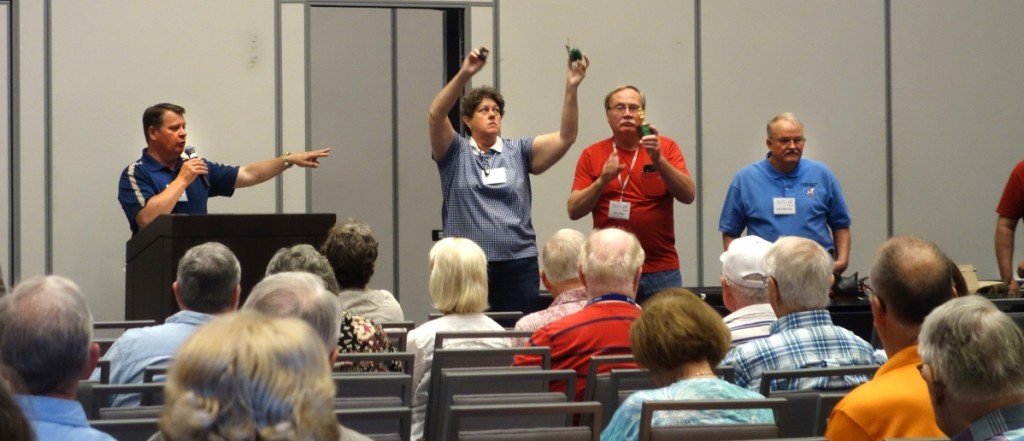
(865, 286)
(798, 141)
(621, 108)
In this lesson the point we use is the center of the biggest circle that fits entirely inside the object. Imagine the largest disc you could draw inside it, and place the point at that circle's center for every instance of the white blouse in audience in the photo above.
(375, 304)
(421, 343)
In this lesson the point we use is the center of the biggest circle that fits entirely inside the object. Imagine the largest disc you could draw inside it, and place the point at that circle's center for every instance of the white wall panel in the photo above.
(113, 58)
(958, 102)
(649, 45)
(824, 61)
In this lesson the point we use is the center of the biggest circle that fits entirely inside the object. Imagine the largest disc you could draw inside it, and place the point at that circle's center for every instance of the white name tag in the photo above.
(184, 196)
(618, 210)
(784, 205)
(493, 176)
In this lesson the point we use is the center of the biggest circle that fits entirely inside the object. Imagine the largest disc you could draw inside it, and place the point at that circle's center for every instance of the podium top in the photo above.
(196, 227)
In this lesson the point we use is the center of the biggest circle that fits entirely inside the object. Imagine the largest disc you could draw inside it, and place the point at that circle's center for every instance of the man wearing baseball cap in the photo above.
(744, 291)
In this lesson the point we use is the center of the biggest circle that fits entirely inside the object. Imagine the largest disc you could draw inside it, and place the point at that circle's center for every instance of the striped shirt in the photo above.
(750, 322)
(495, 216)
(805, 339)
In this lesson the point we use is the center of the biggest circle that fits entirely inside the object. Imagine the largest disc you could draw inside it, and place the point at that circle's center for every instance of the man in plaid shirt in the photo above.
(798, 276)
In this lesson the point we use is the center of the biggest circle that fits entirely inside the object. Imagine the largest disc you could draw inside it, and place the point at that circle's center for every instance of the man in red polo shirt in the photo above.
(610, 270)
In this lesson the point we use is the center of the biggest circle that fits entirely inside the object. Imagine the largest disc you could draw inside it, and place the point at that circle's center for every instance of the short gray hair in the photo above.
(974, 348)
(300, 295)
(610, 260)
(785, 116)
(45, 333)
(561, 256)
(751, 294)
(802, 270)
(458, 276)
(305, 258)
(207, 277)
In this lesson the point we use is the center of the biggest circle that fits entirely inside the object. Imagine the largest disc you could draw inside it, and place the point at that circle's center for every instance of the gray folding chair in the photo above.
(494, 414)
(472, 358)
(500, 386)
(441, 337)
(372, 390)
(801, 404)
(151, 396)
(379, 423)
(709, 432)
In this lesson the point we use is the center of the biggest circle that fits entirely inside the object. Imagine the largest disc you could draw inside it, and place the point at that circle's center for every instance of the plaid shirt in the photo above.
(805, 339)
(1002, 424)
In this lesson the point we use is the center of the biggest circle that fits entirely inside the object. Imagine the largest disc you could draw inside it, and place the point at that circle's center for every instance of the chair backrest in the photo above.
(406, 325)
(441, 337)
(826, 402)
(726, 372)
(151, 395)
(150, 373)
(348, 361)
(802, 414)
(103, 366)
(139, 429)
(599, 363)
(862, 371)
(380, 423)
(707, 432)
(124, 324)
(379, 389)
(473, 358)
(617, 385)
(498, 386)
(492, 415)
(503, 317)
(398, 333)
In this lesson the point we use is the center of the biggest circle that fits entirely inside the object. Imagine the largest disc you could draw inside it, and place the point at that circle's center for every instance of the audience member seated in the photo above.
(680, 340)
(299, 295)
(46, 347)
(458, 288)
(909, 278)
(352, 251)
(357, 333)
(207, 284)
(972, 359)
(610, 267)
(247, 376)
(743, 289)
(799, 277)
(560, 275)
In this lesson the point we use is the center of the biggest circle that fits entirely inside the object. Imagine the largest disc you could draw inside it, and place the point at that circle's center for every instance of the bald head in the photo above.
(912, 276)
(611, 262)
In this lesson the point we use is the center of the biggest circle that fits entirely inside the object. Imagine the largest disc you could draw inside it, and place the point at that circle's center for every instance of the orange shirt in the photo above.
(894, 404)
(651, 205)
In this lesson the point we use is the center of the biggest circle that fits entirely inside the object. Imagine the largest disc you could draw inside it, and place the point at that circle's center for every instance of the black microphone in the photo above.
(190, 153)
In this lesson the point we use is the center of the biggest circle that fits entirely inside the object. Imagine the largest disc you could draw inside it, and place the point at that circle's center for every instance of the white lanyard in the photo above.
(629, 171)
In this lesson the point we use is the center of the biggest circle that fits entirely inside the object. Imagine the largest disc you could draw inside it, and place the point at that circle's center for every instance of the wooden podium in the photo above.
(152, 254)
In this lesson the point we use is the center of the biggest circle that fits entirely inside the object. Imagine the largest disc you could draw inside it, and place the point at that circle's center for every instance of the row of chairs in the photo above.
(458, 383)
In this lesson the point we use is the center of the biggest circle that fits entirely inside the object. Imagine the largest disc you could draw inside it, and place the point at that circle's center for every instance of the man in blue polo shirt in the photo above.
(166, 180)
(785, 195)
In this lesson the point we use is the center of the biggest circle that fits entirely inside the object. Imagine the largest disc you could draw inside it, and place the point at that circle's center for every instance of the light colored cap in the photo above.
(743, 262)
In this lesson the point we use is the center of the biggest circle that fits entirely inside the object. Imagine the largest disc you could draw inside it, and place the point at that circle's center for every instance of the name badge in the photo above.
(184, 196)
(619, 210)
(784, 205)
(493, 176)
